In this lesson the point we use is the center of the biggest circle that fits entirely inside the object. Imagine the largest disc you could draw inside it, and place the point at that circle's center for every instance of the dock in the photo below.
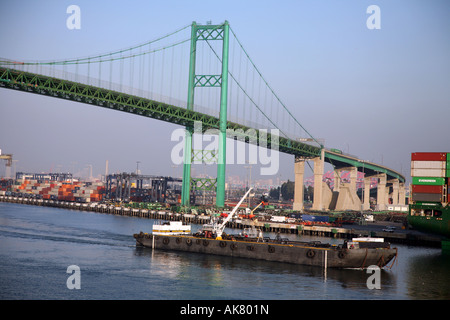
(408, 237)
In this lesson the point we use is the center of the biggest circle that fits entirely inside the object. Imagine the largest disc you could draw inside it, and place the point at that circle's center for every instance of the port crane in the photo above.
(7, 157)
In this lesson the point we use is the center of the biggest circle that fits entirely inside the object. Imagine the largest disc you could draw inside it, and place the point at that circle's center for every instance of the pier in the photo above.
(409, 237)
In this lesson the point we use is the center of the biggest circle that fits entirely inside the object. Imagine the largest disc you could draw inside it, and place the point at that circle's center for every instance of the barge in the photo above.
(212, 240)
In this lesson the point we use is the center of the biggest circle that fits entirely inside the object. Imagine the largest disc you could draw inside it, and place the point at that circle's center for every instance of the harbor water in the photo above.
(40, 245)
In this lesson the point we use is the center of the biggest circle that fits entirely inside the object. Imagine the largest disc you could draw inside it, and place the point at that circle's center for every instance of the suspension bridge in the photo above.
(225, 91)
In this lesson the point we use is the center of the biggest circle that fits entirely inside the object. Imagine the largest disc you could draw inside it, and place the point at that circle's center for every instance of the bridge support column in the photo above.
(186, 184)
(223, 83)
(318, 184)
(220, 193)
(366, 200)
(395, 190)
(401, 193)
(299, 169)
(348, 199)
(353, 176)
(337, 180)
(381, 192)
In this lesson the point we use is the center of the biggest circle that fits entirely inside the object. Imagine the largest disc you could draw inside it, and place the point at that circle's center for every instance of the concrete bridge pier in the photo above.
(398, 192)
(381, 192)
(344, 196)
(318, 181)
(299, 169)
(337, 180)
(395, 190)
(348, 198)
(402, 194)
(366, 195)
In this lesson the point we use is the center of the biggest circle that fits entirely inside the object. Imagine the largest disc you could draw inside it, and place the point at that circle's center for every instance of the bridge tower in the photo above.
(205, 33)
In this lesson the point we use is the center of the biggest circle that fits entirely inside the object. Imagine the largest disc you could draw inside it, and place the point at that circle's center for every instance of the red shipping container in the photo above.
(428, 156)
(427, 189)
(431, 197)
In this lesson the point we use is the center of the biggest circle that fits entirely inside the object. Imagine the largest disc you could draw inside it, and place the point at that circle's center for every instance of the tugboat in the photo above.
(211, 239)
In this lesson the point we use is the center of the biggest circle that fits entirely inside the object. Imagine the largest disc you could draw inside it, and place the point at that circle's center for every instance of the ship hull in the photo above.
(432, 218)
(331, 257)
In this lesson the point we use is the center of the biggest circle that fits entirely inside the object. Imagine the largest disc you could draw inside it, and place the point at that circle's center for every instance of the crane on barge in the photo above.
(217, 229)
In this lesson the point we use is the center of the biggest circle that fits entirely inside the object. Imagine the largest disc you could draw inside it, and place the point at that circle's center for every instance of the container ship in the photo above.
(211, 239)
(429, 208)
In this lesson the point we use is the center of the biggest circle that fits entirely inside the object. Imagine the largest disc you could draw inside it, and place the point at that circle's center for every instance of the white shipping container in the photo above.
(278, 218)
(428, 164)
(428, 173)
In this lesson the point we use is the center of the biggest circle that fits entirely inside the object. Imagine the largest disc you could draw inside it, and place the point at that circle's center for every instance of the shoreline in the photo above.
(408, 237)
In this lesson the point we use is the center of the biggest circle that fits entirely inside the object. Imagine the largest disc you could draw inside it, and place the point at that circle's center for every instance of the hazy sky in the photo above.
(377, 94)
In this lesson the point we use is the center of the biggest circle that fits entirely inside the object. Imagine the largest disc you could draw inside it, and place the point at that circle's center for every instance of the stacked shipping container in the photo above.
(52, 190)
(430, 172)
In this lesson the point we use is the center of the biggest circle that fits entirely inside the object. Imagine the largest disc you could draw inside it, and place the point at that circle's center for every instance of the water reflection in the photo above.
(259, 279)
(38, 243)
(428, 276)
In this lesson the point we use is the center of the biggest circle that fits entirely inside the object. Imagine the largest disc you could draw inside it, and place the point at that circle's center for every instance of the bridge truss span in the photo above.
(247, 102)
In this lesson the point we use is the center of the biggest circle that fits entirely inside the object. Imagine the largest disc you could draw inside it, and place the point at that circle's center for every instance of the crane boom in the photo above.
(257, 207)
(221, 227)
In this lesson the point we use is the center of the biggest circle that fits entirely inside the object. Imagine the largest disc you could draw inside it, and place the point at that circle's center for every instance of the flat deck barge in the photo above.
(352, 254)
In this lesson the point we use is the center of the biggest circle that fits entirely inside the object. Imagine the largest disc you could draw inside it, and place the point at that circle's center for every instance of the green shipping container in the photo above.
(431, 181)
(447, 173)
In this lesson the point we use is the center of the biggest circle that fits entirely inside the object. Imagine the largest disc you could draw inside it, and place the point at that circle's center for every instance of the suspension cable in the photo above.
(273, 92)
(99, 58)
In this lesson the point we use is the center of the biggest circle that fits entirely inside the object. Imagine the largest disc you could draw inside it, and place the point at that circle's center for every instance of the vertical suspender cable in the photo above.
(239, 76)
(131, 84)
(149, 72)
(121, 72)
(100, 73)
(162, 74)
(171, 75)
(141, 68)
(110, 72)
(282, 104)
(89, 71)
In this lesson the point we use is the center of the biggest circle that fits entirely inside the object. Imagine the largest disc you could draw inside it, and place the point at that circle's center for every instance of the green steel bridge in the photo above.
(85, 83)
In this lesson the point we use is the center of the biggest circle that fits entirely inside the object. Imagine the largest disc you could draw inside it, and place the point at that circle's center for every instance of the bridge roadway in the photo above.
(78, 92)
